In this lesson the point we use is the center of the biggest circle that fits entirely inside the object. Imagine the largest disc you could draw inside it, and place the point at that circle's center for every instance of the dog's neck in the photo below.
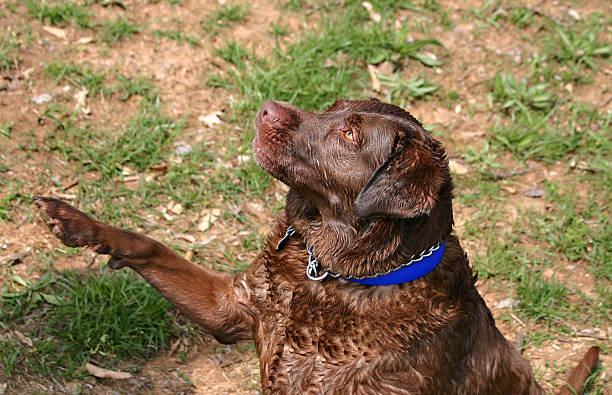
(377, 245)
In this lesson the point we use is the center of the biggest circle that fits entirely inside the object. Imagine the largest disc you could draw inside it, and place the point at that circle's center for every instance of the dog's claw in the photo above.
(71, 226)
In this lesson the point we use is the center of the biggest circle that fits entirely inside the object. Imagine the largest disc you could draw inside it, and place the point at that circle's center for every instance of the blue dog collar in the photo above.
(418, 266)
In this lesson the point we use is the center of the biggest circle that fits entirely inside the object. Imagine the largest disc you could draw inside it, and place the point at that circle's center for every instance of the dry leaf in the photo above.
(41, 99)
(174, 346)
(59, 33)
(176, 208)
(534, 192)
(161, 168)
(15, 258)
(105, 373)
(81, 101)
(504, 304)
(573, 13)
(131, 178)
(81, 97)
(66, 196)
(188, 238)
(23, 338)
(242, 159)
(84, 40)
(208, 218)
(126, 171)
(457, 167)
(211, 119)
(206, 240)
(26, 73)
(376, 85)
(375, 16)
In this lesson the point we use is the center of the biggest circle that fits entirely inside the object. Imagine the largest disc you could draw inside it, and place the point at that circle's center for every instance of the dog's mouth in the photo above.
(273, 124)
(262, 158)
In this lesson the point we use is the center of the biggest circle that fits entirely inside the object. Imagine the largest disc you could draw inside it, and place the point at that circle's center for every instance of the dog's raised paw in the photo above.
(71, 226)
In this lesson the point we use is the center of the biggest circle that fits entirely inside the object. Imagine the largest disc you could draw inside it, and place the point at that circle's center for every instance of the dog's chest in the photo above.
(313, 341)
(314, 335)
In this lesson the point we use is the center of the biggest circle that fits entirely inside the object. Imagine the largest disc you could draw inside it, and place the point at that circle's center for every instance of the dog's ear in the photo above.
(407, 185)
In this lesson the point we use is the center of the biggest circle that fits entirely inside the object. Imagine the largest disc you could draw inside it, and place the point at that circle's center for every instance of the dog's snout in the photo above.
(270, 111)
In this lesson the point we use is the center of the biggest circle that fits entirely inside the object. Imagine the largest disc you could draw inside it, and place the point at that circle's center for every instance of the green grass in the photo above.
(578, 228)
(60, 12)
(128, 87)
(578, 48)
(232, 52)
(9, 44)
(225, 16)
(97, 317)
(520, 96)
(12, 196)
(141, 144)
(6, 128)
(541, 299)
(399, 90)
(521, 17)
(113, 31)
(178, 36)
(82, 76)
(98, 82)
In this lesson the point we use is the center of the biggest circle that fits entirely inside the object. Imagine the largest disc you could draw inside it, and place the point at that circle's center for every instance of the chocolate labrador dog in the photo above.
(362, 287)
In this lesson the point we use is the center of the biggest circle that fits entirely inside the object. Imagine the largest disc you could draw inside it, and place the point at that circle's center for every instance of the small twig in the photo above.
(229, 363)
(93, 260)
(15, 258)
(517, 320)
(66, 196)
(591, 336)
(113, 3)
(67, 187)
(606, 102)
(501, 176)
(61, 387)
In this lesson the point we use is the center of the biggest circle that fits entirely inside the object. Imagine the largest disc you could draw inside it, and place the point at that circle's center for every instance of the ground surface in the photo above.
(140, 112)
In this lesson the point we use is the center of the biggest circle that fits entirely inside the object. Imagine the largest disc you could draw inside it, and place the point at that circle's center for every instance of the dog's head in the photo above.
(359, 159)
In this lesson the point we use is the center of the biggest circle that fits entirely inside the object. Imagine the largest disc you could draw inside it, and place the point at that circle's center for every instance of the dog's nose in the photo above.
(270, 111)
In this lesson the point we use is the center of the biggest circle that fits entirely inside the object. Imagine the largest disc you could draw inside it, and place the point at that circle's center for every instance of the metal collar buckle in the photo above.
(290, 232)
(313, 268)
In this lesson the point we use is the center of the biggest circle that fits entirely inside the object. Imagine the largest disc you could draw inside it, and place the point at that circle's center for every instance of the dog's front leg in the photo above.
(218, 302)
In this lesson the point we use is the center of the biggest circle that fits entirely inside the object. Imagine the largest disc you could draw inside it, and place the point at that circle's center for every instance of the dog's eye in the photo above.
(349, 135)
